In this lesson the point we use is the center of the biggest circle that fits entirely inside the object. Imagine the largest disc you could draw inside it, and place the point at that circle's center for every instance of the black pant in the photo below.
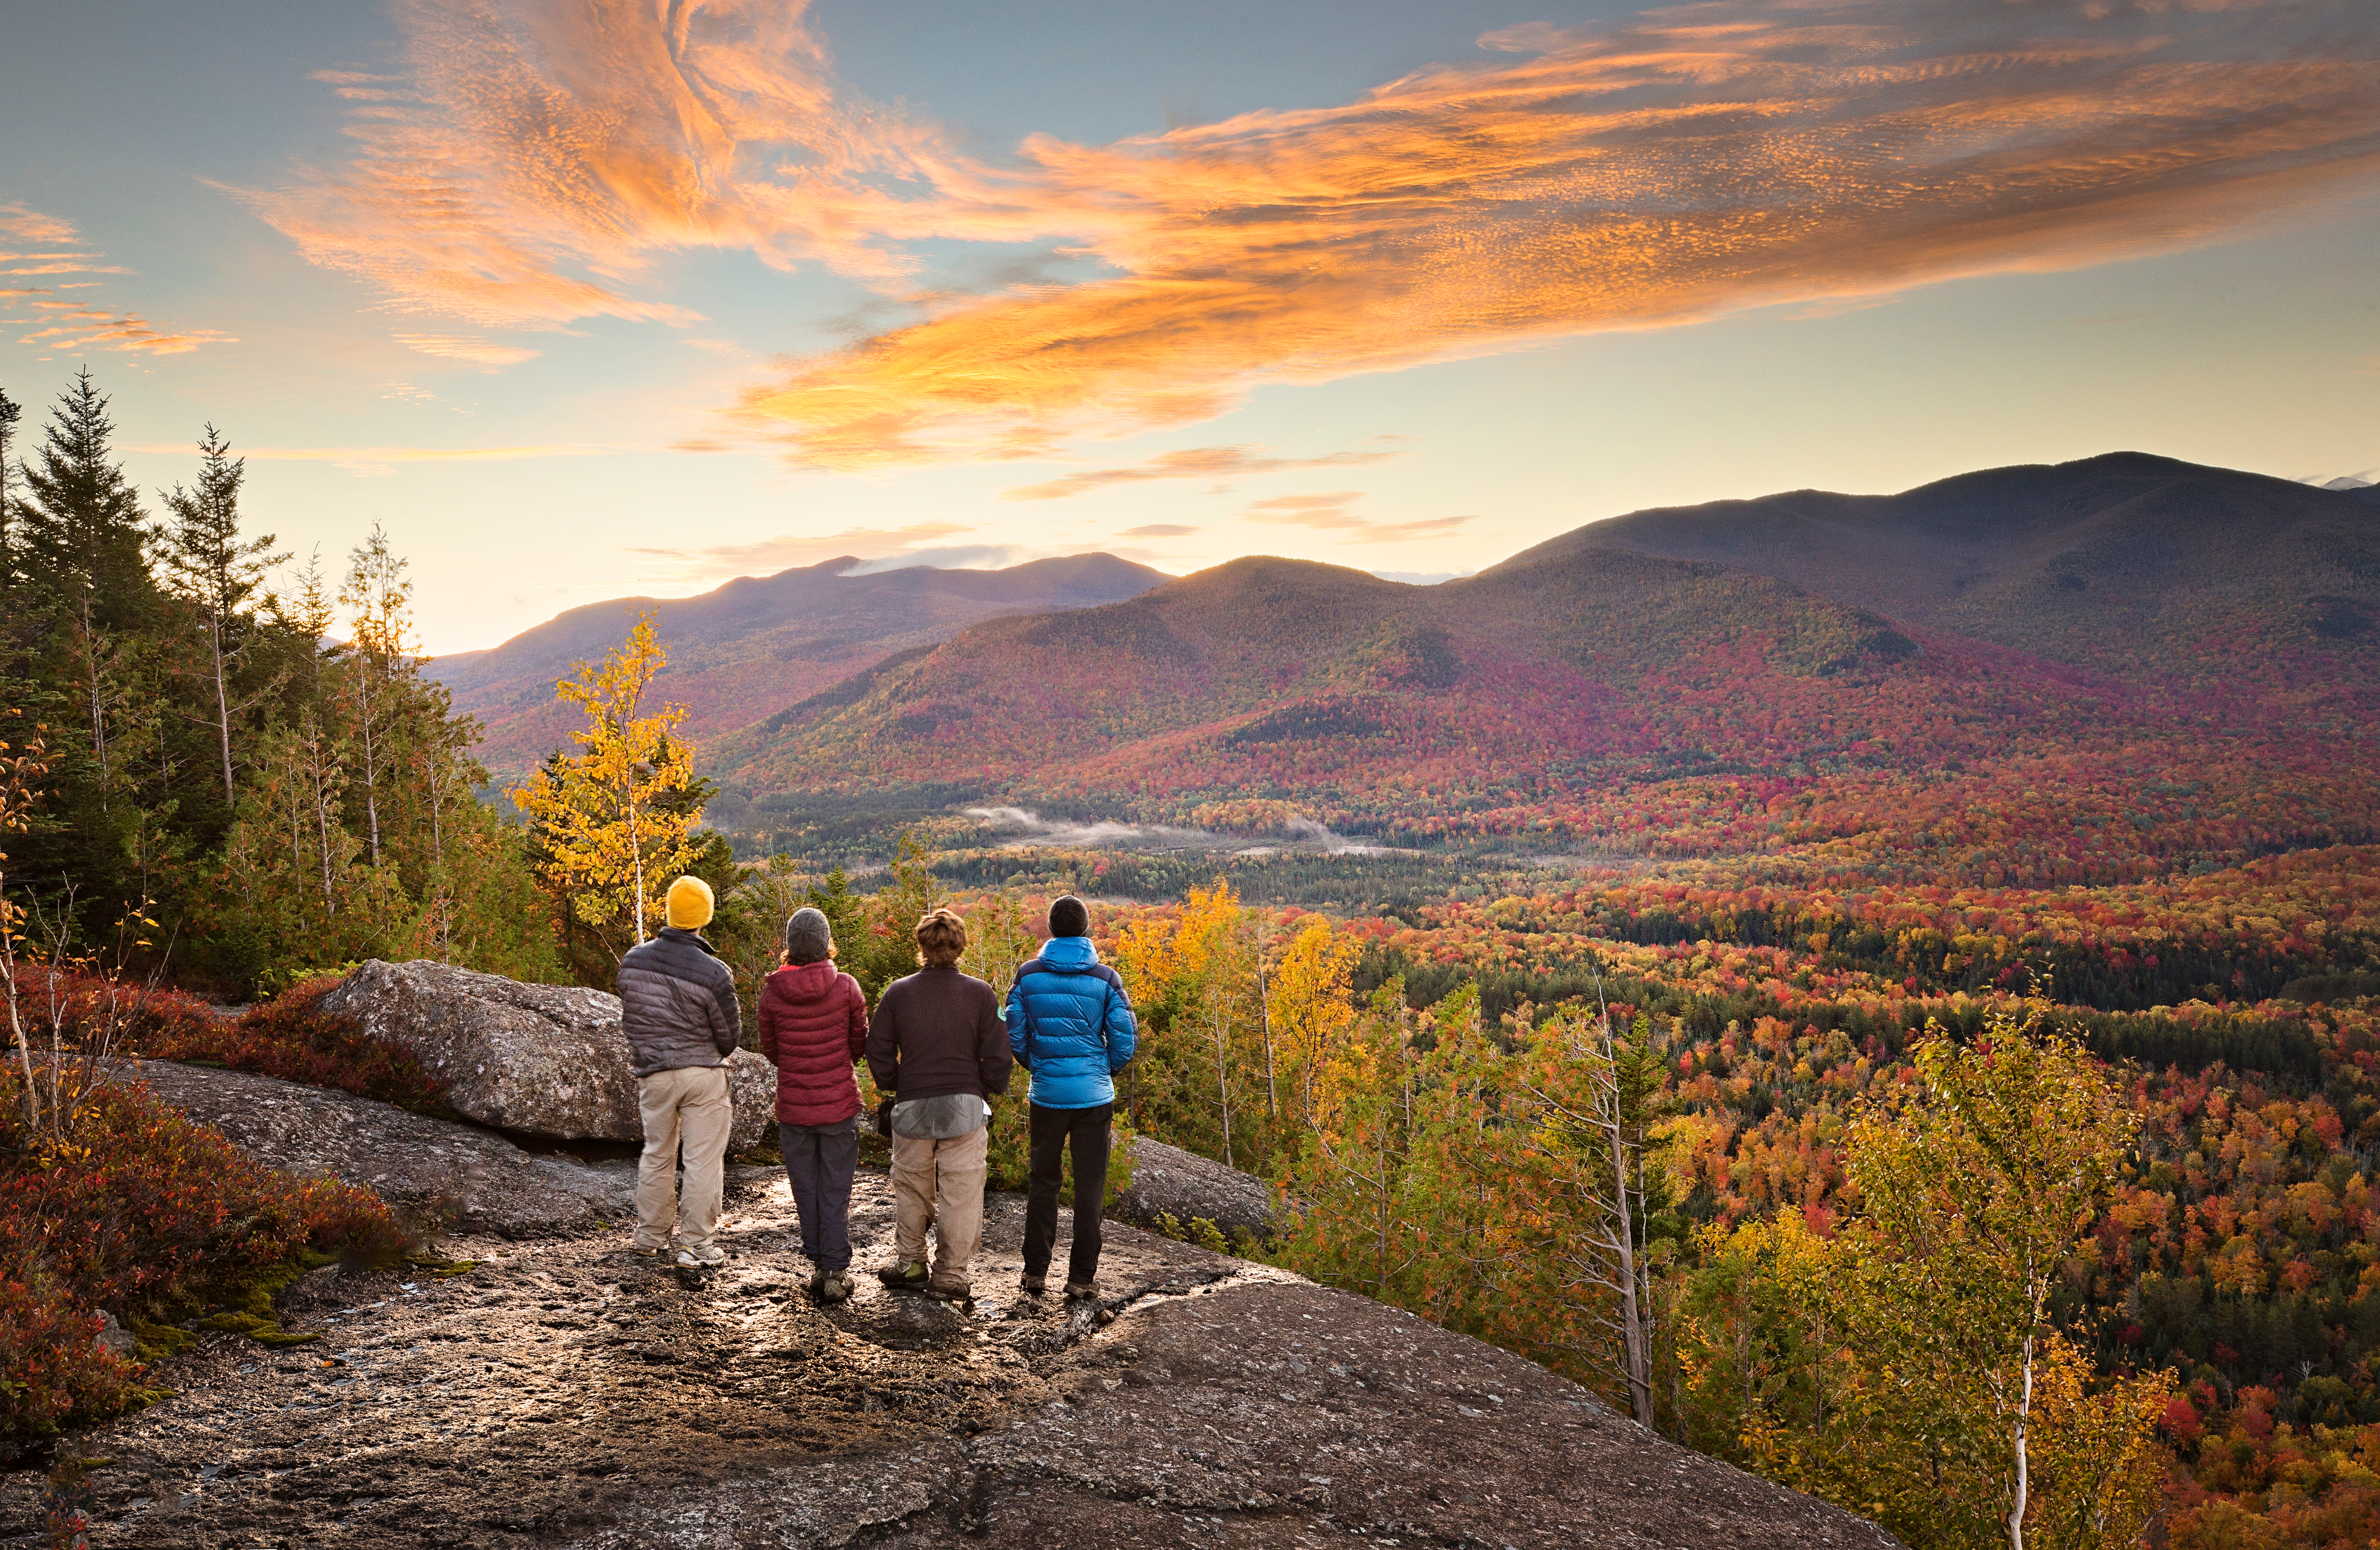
(1052, 1130)
(820, 1160)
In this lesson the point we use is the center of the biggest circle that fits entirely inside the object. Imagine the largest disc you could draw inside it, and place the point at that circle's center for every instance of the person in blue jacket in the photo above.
(1071, 1024)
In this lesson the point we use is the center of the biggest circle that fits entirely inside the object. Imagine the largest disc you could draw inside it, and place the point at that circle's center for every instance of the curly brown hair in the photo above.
(941, 938)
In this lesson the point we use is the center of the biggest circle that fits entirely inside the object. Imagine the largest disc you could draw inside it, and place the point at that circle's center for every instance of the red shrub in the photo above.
(138, 1208)
(292, 1037)
(53, 1372)
(289, 1037)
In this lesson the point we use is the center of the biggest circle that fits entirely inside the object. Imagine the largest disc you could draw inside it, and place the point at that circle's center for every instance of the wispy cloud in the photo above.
(874, 548)
(1331, 512)
(75, 324)
(1692, 161)
(63, 268)
(1190, 463)
(1158, 530)
(71, 325)
(454, 347)
(30, 226)
(533, 160)
(949, 557)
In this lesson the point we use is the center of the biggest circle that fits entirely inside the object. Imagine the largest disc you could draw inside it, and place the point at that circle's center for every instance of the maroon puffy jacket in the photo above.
(813, 1024)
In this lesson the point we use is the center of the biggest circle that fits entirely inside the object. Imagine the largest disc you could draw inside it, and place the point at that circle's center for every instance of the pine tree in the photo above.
(218, 574)
(83, 543)
(86, 614)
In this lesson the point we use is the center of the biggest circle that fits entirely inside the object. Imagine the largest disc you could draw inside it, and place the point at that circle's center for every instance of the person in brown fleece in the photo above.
(939, 1045)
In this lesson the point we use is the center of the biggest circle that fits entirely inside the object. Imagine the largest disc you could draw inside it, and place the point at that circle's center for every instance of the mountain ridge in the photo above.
(754, 645)
(2135, 615)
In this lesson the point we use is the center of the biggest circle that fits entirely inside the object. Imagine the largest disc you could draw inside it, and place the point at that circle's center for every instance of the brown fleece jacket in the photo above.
(937, 1032)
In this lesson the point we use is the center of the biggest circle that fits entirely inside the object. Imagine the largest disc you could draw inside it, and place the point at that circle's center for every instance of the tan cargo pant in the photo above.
(939, 1184)
(691, 1102)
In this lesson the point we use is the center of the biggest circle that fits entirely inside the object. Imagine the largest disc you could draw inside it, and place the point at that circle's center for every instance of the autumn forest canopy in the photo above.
(1881, 988)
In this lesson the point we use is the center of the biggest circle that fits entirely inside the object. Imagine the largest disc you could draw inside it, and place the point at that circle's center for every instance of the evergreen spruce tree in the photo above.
(218, 574)
(85, 615)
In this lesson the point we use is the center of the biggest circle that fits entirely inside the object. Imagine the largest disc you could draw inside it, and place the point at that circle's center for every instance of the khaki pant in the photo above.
(939, 1184)
(691, 1102)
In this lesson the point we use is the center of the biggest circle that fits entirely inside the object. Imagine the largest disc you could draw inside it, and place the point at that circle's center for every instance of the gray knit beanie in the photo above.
(808, 937)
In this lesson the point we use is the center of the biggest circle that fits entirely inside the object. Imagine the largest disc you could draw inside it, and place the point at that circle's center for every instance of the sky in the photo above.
(588, 299)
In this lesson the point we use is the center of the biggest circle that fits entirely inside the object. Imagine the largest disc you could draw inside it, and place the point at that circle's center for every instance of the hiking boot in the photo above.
(701, 1257)
(834, 1288)
(961, 1296)
(817, 1287)
(659, 1255)
(1033, 1285)
(1081, 1289)
(906, 1275)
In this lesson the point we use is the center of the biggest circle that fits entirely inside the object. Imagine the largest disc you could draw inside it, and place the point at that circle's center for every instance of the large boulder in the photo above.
(543, 1059)
(1173, 1189)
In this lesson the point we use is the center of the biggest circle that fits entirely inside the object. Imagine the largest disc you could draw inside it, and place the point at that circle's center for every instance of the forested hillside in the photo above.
(758, 644)
(219, 762)
(2142, 567)
(1584, 696)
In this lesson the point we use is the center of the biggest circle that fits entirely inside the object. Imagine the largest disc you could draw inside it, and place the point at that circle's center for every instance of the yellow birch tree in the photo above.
(614, 823)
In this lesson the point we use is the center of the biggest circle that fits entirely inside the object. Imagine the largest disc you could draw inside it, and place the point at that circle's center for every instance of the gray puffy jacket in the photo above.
(677, 1004)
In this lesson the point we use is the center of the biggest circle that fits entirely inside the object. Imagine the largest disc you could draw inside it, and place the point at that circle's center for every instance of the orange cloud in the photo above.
(480, 352)
(72, 325)
(32, 225)
(1697, 161)
(1187, 463)
(534, 160)
(912, 544)
(1329, 511)
(64, 268)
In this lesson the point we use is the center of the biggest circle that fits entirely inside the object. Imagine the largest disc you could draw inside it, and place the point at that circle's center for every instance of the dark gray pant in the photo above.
(1052, 1132)
(819, 1162)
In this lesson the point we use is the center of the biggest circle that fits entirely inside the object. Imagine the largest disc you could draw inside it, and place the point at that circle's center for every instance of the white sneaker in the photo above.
(701, 1257)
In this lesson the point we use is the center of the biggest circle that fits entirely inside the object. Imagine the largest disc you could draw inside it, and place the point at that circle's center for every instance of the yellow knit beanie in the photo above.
(689, 904)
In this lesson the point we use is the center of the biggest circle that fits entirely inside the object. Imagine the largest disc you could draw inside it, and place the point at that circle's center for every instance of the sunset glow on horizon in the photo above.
(591, 299)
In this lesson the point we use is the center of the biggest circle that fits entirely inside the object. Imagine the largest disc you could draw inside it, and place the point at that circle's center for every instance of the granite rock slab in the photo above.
(546, 1061)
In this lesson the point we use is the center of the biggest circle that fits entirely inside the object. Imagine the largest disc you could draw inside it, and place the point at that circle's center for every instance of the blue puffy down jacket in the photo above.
(1071, 1024)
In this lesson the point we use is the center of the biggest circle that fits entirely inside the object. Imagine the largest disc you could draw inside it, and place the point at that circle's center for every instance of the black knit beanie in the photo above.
(1069, 917)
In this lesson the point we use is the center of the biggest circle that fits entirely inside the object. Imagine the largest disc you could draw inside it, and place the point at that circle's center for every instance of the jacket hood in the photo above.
(803, 982)
(1069, 952)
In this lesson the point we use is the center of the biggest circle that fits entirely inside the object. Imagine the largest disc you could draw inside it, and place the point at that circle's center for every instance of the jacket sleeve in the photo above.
(727, 1019)
(1122, 1029)
(992, 1056)
(855, 1010)
(883, 1047)
(766, 1017)
(1017, 1017)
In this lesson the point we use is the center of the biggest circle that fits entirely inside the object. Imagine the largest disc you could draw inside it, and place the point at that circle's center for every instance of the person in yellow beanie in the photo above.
(689, 905)
(677, 1006)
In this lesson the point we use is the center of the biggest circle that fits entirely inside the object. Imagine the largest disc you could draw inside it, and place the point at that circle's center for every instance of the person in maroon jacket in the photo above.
(814, 1026)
